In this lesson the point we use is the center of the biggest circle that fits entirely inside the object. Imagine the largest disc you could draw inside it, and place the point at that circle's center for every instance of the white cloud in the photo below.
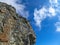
(53, 1)
(59, 18)
(52, 11)
(41, 14)
(19, 7)
(57, 24)
(45, 11)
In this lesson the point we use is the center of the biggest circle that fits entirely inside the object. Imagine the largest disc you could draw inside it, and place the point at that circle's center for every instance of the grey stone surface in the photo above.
(14, 29)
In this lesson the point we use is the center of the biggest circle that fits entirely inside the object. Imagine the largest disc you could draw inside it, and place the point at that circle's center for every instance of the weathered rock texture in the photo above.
(14, 29)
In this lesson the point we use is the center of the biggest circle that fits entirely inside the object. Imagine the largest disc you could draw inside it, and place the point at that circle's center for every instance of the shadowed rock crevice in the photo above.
(14, 29)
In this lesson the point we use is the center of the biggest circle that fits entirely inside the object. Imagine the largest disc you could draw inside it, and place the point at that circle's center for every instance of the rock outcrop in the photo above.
(14, 29)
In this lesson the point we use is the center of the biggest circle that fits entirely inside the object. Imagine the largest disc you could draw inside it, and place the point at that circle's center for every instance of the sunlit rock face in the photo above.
(14, 29)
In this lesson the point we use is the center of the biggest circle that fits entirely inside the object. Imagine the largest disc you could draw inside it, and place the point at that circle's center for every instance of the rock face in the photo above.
(14, 29)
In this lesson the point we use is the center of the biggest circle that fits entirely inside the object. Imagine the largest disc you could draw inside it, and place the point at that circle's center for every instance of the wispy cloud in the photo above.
(20, 8)
(57, 24)
(45, 12)
(39, 15)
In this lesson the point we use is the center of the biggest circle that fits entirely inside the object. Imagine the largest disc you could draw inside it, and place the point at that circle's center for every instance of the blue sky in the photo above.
(44, 17)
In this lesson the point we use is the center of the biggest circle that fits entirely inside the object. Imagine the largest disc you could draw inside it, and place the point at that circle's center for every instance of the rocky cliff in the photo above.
(14, 29)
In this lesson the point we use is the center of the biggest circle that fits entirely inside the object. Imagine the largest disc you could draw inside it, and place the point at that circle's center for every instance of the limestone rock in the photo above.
(14, 29)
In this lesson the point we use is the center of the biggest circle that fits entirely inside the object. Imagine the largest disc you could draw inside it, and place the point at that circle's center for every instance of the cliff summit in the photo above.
(14, 29)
